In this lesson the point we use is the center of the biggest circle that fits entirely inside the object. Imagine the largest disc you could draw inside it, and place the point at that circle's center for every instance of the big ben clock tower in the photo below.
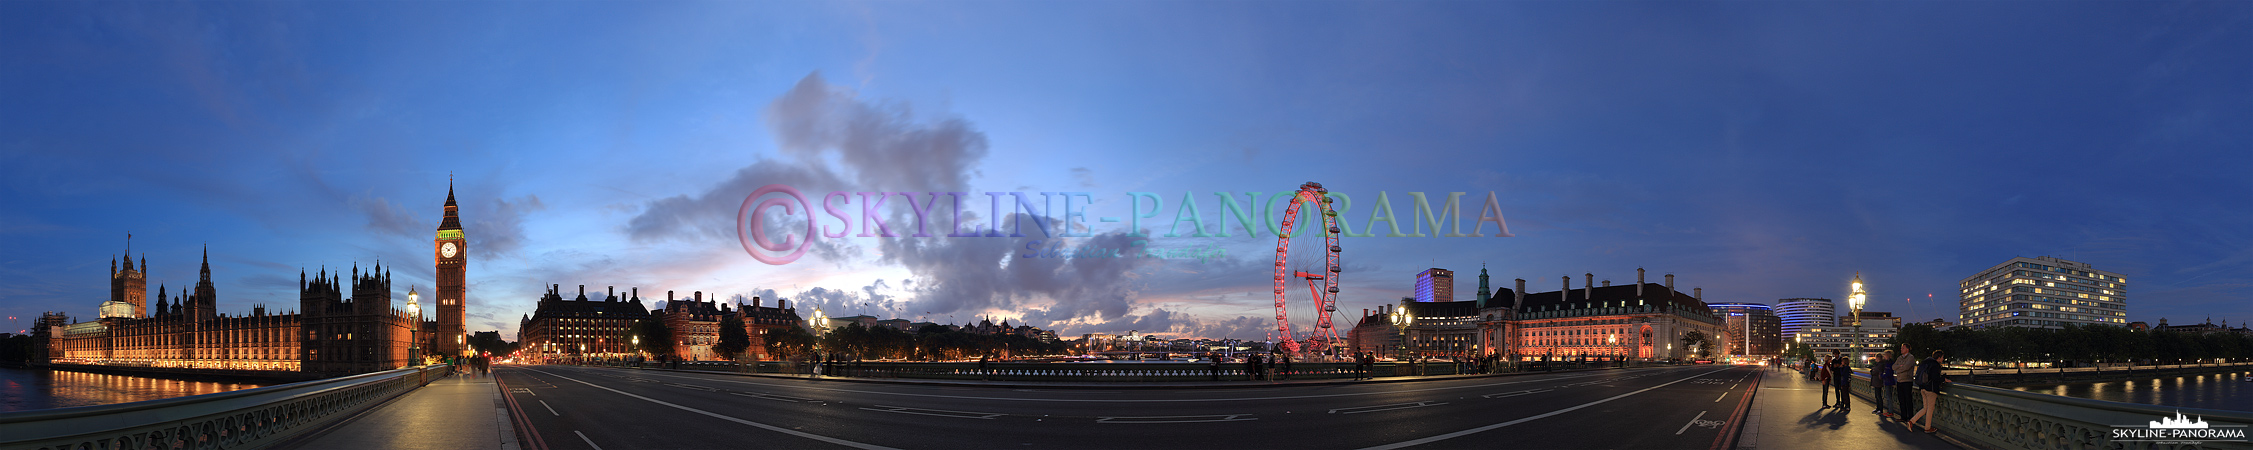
(452, 253)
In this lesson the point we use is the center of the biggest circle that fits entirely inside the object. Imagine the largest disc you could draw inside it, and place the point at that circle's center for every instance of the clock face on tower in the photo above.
(447, 250)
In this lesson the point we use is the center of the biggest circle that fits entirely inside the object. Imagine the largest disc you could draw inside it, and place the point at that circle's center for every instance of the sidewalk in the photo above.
(451, 413)
(1788, 413)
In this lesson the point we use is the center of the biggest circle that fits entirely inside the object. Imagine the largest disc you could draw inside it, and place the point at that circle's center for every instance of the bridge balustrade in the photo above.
(1996, 418)
(249, 418)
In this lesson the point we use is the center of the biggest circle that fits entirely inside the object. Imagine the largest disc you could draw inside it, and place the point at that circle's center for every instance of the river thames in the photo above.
(27, 389)
(2212, 391)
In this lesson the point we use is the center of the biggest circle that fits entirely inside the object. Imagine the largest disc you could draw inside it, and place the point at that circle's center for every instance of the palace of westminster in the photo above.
(330, 335)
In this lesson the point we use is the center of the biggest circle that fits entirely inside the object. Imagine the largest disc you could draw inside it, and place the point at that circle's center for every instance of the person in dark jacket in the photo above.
(1216, 364)
(1930, 380)
(1881, 383)
(1842, 377)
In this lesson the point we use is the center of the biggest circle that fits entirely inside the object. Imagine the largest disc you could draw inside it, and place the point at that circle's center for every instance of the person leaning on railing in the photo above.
(1932, 382)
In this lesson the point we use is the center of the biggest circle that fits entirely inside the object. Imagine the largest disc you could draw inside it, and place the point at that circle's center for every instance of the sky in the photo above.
(1755, 150)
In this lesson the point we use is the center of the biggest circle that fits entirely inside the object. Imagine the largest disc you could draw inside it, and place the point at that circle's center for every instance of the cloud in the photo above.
(832, 140)
(500, 224)
(1086, 177)
(389, 218)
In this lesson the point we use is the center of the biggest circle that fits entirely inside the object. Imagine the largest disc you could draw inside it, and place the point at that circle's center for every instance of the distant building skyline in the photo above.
(1803, 313)
(2043, 292)
(1435, 285)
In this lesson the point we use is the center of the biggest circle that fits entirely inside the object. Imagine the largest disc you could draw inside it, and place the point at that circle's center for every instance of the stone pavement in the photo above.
(456, 412)
(1788, 413)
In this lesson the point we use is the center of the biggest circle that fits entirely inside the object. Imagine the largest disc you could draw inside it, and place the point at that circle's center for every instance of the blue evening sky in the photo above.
(1757, 150)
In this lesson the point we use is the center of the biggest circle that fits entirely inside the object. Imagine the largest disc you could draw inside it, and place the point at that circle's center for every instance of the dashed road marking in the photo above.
(1177, 419)
(779, 398)
(583, 437)
(1518, 393)
(935, 412)
(551, 409)
(1395, 406)
(1693, 421)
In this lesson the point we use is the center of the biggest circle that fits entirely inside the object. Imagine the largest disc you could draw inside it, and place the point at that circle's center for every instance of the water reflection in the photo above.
(26, 389)
(2214, 391)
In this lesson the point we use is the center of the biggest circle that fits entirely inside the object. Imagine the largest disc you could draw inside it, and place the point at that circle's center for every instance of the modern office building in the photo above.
(1753, 329)
(1435, 285)
(1803, 313)
(2043, 292)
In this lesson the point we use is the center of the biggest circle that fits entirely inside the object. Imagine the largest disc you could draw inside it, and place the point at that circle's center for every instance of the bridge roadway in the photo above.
(1685, 407)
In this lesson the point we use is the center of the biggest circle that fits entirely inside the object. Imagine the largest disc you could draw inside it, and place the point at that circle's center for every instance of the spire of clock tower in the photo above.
(453, 219)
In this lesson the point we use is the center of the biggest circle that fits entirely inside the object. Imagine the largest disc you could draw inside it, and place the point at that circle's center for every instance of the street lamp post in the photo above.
(414, 312)
(1854, 301)
(1616, 351)
(1401, 320)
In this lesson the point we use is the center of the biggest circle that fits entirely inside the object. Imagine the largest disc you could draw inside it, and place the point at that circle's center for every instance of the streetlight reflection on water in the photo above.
(44, 389)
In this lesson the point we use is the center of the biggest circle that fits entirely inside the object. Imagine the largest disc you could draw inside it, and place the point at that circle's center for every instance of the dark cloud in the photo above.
(389, 218)
(499, 224)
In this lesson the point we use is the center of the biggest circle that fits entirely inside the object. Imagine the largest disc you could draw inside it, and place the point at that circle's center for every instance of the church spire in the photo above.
(206, 274)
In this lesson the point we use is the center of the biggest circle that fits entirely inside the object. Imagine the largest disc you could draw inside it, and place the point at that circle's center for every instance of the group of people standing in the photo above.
(1902, 374)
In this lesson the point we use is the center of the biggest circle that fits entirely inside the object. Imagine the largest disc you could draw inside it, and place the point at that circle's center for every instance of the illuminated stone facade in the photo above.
(574, 330)
(333, 336)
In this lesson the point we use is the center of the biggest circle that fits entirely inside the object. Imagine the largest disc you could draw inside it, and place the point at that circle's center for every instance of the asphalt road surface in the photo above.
(616, 409)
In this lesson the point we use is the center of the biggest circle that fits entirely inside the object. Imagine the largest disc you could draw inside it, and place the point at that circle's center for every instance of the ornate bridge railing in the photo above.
(1994, 418)
(250, 418)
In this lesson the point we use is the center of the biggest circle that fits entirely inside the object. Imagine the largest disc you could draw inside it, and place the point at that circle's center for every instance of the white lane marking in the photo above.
(1367, 409)
(1518, 393)
(935, 412)
(1528, 419)
(522, 391)
(1693, 421)
(583, 437)
(767, 427)
(1177, 419)
(551, 409)
(1724, 394)
(779, 398)
(1281, 397)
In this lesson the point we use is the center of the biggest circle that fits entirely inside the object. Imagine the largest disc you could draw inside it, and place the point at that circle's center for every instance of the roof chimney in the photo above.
(1638, 283)
(1670, 283)
(700, 296)
(1566, 294)
(1520, 301)
(1588, 289)
(613, 292)
(783, 303)
(582, 292)
(1607, 283)
(668, 296)
(754, 301)
(1700, 294)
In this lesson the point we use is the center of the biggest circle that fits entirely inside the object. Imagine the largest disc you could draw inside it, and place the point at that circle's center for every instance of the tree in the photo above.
(788, 342)
(655, 337)
(490, 342)
(733, 338)
(1696, 342)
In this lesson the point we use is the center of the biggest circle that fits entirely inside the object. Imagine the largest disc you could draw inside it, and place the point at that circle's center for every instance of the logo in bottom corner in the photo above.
(2179, 429)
